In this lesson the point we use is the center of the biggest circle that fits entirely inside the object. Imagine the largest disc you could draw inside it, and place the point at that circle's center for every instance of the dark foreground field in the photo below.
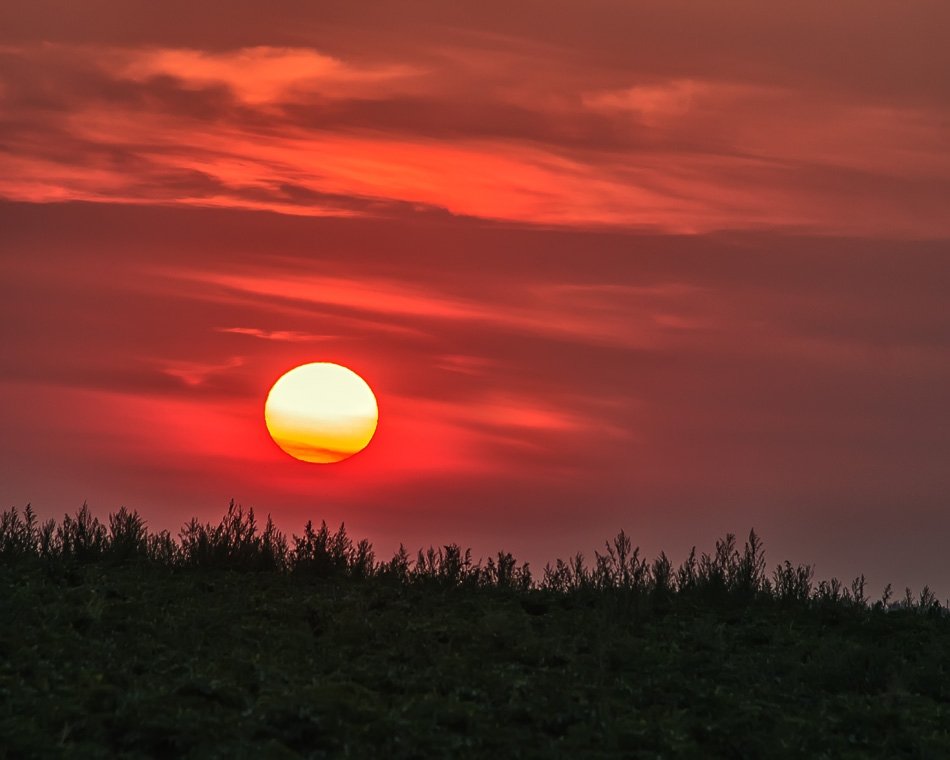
(107, 654)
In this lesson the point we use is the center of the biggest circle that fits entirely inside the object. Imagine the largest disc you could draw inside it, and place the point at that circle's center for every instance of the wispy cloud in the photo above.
(285, 336)
(196, 373)
(626, 316)
(297, 130)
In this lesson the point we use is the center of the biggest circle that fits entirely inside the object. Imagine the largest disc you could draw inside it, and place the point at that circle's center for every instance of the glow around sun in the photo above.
(321, 413)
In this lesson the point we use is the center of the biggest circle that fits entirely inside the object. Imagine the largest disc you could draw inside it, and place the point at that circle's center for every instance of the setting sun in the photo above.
(321, 412)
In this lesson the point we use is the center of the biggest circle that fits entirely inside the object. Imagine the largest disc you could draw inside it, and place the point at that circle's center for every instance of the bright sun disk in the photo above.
(321, 412)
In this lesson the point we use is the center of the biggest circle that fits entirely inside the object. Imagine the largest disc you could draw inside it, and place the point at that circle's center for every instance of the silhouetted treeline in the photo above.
(730, 574)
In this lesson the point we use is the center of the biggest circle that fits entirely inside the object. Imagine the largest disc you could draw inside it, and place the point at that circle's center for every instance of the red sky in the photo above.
(671, 267)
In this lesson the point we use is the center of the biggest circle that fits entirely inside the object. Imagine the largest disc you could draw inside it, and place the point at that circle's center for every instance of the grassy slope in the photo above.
(99, 661)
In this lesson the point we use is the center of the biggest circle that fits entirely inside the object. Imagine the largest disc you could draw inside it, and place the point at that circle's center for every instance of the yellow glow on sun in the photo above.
(321, 412)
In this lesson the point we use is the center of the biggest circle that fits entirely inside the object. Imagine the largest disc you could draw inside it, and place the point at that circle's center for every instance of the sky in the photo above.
(672, 267)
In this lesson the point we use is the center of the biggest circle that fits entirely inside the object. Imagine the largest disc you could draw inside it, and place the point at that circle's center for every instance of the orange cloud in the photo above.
(299, 131)
(260, 74)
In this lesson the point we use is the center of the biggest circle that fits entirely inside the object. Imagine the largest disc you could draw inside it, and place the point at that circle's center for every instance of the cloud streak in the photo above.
(306, 132)
(288, 336)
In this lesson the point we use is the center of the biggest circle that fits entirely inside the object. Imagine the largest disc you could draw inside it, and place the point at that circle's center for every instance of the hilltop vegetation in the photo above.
(233, 640)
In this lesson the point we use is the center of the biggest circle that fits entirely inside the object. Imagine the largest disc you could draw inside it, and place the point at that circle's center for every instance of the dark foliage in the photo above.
(728, 575)
(231, 641)
(324, 554)
(234, 543)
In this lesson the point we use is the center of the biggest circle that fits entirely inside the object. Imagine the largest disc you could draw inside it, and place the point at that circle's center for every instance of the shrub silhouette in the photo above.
(749, 576)
(621, 567)
(398, 567)
(19, 537)
(128, 537)
(449, 565)
(324, 554)
(81, 537)
(505, 573)
(687, 575)
(726, 576)
(235, 543)
(793, 584)
(566, 577)
(663, 580)
(162, 549)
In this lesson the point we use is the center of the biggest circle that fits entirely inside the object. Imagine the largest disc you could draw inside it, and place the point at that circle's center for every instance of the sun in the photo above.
(321, 412)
